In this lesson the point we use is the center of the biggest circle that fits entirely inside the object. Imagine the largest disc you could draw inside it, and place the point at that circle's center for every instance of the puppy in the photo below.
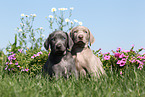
(86, 61)
(60, 61)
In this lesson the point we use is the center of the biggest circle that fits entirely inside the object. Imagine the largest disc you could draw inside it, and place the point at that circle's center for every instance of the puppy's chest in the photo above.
(82, 58)
(63, 62)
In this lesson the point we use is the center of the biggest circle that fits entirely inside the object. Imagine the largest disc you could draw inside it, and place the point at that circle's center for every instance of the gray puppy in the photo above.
(60, 61)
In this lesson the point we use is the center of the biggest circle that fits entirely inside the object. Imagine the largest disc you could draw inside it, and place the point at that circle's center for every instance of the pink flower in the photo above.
(100, 49)
(107, 53)
(125, 51)
(142, 48)
(106, 57)
(12, 57)
(16, 63)
(144, 57)
(122, 55)
(20, 50)
(140, 57)
(118, 49)
(39, 53)
(133, 45)
(26, 69)
(32, 57)
(12, 68)
(10, 62)
(22, 69)
(132, 61)
(116, 55)
(118, 62)
(143, 60)
(100, 52)
(124, 60)
(18, 66)
(6, 67)
(121, 72)
(49, 54)
(138, 61)
(121, 62)
(140, 66)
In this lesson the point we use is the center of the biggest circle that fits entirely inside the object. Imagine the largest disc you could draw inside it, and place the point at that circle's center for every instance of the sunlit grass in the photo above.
(113, 85)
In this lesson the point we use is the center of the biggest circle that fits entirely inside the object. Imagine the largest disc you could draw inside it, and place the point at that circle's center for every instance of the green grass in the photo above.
(114, 85)
(131, 84)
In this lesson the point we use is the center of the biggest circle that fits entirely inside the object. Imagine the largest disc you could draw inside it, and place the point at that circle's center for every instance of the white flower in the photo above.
(67, 20)
(41, 28)
(22, 15)
(65, 8)
(71, 8)
(75, 20)
(53, 9)
(50, 16)
(71, 22)
(9, 50)
(20, 30)
(80, 23)
(43, 35)
(34, 15)
(59, 8)
(62, 9)
(27, 15)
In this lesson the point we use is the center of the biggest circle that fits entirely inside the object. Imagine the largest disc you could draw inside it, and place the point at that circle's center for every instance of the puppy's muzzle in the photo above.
(58, 46)
(80, 37)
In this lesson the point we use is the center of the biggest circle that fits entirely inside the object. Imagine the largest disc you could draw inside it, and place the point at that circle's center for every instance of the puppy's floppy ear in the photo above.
(69, 42)
(92, 39)
(47, 42)
(71, 33)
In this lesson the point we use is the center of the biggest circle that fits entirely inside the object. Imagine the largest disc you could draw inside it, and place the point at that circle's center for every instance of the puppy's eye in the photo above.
(63, 38)
(53, 39)
(75, 31)
(86, 32)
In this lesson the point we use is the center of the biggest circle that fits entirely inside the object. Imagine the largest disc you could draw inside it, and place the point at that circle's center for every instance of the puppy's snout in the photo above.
(80, 36)
(58, 46)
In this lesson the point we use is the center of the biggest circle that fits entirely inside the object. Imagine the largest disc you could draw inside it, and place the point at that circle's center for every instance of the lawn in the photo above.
(130, 84)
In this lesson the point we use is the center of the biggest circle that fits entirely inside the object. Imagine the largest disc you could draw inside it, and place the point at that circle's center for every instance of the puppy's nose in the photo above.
(80, 36)
(58, 46)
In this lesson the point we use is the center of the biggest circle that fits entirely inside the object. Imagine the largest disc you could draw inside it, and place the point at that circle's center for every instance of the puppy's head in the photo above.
(59, 41)
(81, 35)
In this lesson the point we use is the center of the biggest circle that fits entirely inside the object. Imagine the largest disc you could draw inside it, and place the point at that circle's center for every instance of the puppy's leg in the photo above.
(45, 68)
(97, 67)
(80, 70)
(100, 66)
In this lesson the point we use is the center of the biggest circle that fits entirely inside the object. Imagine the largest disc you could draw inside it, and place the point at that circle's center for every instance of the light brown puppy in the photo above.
(86, 61)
